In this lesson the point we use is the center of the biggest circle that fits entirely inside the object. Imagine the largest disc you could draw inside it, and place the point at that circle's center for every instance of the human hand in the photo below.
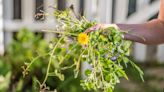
(100, 26)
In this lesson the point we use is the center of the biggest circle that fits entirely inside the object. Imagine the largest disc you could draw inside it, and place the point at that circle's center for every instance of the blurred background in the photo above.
(21, 38)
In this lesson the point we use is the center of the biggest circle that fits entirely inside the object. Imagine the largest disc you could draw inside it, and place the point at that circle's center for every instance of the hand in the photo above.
(100, 26)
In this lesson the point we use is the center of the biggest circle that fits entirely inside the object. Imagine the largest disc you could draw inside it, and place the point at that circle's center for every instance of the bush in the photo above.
(22, 50)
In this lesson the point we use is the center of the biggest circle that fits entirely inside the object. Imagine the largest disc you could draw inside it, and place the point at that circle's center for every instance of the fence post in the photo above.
(8, 12)
(160, 53)
(105, 11)
(1, 29)
(28, 12)
(121, 10)
(50, 19)
(90, 9)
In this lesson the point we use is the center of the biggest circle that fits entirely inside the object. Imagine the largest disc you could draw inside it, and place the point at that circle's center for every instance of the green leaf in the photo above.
(122, 72)
(58, 50)
(138, 69)
(19, 86)
(5, 82)
(87, 72)
(57, 74)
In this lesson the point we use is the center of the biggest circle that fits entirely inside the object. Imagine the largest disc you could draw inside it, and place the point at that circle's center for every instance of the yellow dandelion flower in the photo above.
(83, 38)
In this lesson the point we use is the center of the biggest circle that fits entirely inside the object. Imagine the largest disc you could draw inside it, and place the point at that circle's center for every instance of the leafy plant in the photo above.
(103, 49)
(23, 49)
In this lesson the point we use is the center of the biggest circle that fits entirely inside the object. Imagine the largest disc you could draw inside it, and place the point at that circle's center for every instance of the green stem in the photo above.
(64, 68)
(50, 60)
(68, 53)
(26, 69)
(78, 63)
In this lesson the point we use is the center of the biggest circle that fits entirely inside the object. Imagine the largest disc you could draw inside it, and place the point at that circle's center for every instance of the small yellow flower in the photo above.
(83, 38)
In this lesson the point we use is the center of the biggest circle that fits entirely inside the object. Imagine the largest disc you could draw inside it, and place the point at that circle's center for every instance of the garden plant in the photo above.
(104, 50)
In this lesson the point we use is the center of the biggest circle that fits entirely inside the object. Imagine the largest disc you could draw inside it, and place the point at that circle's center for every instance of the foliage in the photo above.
(103, 49)
(22, 49)
(4, 82)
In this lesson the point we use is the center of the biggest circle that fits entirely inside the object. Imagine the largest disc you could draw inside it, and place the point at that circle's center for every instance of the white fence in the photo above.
(104, 11)
(1, 30)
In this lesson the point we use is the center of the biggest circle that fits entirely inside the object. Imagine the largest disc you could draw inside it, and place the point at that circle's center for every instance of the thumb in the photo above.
(93, 28)
(110, 25)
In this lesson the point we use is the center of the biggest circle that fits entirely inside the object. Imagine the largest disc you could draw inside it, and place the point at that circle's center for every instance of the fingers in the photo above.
(96, 27)
(100, 26)
(113, 25)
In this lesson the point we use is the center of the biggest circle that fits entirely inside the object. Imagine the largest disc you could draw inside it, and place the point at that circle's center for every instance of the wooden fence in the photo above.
(15, 14)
